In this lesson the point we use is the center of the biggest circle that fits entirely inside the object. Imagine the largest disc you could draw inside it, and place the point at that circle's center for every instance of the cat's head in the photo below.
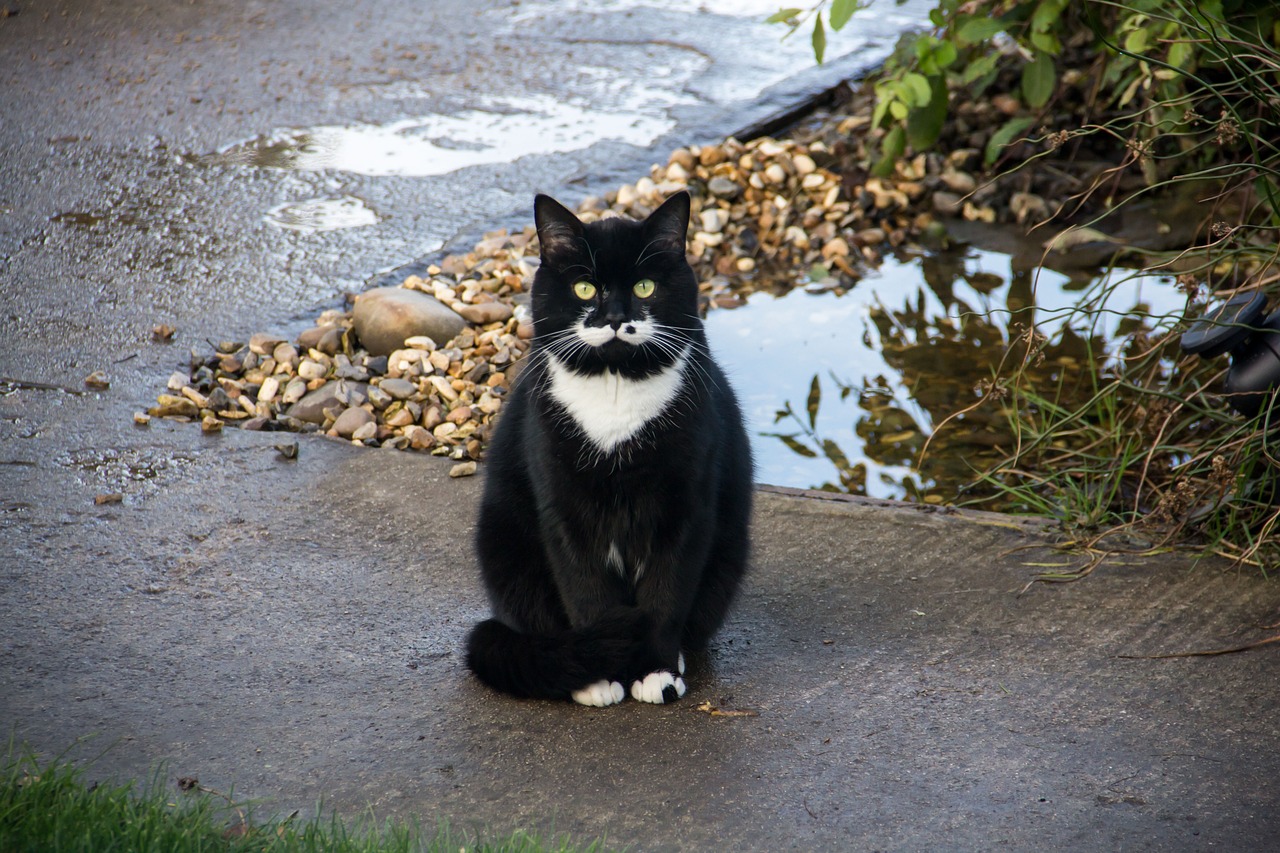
(615, 294)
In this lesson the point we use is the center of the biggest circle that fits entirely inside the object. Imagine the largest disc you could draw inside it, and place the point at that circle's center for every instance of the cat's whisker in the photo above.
(645, 254)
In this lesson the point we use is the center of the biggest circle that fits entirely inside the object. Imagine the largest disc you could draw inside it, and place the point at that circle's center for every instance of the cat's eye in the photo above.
(584, 290)
(644, 288)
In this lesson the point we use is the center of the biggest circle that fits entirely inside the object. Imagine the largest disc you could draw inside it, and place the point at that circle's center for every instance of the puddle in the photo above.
(500, 131)
(321, 214)
(841, 391)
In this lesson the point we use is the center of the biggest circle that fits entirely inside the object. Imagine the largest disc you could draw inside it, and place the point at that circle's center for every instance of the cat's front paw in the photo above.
(600, 694)
(658, 687)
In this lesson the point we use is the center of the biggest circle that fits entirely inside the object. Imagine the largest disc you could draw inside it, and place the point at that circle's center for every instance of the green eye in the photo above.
(584, 290)
(644, 288)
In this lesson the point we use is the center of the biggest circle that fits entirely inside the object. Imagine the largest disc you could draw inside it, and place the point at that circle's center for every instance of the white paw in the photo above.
(658, 687)
(600, 694)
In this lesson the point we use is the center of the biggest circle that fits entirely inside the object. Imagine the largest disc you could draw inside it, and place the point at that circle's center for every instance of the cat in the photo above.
(613, 526)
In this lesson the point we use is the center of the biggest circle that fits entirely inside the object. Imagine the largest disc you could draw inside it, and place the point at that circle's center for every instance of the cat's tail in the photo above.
(552, 667)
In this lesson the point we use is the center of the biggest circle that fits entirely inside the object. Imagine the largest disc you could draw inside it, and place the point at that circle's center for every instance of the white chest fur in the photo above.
(611, 408)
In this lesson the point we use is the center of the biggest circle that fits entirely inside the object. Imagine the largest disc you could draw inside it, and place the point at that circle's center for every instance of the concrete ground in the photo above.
(291, 629)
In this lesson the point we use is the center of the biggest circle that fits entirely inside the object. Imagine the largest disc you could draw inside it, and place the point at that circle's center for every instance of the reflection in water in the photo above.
(842, 392)
(501, 132)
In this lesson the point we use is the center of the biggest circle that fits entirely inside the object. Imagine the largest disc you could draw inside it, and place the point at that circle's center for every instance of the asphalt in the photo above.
(290, 630)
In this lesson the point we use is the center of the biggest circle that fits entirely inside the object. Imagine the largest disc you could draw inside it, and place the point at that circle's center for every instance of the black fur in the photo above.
(673, 501)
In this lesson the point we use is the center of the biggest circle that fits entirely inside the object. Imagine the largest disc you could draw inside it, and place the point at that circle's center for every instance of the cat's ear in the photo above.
(668, 227)
(559, 231)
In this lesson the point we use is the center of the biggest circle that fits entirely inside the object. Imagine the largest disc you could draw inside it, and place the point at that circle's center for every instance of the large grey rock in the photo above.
(385, 316)
(331, 396)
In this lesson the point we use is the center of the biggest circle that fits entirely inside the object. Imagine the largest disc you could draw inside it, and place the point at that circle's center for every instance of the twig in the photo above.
(1208, 653)
(38, 386)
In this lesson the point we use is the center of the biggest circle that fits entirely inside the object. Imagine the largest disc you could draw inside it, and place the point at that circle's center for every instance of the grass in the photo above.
(50, 807)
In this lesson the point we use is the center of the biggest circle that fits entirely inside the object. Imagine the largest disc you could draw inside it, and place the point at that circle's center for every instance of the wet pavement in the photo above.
(291, 629)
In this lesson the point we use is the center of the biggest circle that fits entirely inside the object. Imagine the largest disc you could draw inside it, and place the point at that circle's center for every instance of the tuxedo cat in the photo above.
(613, 527)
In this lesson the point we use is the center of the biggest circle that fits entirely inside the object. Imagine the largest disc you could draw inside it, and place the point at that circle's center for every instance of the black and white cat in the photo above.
(613, 530)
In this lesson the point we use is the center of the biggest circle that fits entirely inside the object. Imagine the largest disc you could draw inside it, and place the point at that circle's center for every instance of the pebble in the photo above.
(724, 188)
(399, 389)
(959, 182)
(169, 406)
(351, 420)
(270, 387)
(463, 469)
(294, 391)
(263, 343)
(947, 203)
(285, 354)
(330, 342)
(714, 219)
(330, 397)
(485, 313)
(97, 380)
(309, 370)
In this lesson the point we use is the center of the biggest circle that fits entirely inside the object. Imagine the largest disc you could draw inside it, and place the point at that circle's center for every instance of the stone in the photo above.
(351, 420)
(627, 195)
(398, 416)
(270, 387)
(722, 187)
(484, 313)
(463, 469)
(683, 158)
(947, 203)
(366, 431)
(419, 438)
(217, 400)
(421, 342)
(714, 220)
(309, 369)
(399, 389)
(836, 247)
(264, 343)
(332, 396)
(387, 316)
(309, 338)
(169, 405)
(285, 353)
(959, 182)
(432, 417)
(331, 341)
(294, 391)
